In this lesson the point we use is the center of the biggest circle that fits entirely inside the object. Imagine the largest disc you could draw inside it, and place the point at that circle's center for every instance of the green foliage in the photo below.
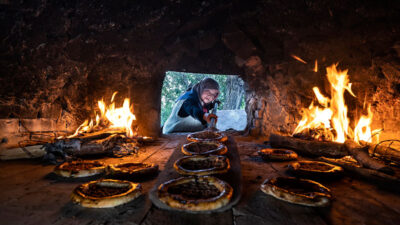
(176, 83)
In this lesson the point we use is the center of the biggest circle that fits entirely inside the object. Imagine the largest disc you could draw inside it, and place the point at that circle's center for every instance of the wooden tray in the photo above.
(233, 177)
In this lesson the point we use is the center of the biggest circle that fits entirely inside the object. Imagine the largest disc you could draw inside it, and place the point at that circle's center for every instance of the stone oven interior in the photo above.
(58, 58)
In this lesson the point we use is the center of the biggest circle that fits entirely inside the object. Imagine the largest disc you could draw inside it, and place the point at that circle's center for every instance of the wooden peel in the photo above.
(213, 124)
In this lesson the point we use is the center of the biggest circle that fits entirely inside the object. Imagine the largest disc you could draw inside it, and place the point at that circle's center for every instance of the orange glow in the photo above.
(316, 66)
(298, 58)
(110, 117)
(331, 121)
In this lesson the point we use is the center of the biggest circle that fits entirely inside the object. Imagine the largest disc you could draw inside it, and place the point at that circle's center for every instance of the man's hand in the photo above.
(208, 116)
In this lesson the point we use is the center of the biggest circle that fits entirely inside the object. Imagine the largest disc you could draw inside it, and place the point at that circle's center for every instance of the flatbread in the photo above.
(202, 165)
(314, 169)
(204, 148)
(105, 193)
(133, 170)
(195, 193)
(207, 135)
(297, 191)
(77, 169)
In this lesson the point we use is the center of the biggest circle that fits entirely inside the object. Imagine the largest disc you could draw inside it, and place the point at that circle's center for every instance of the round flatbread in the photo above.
(207, 135)
(76, 169)
(314, 169)
(105, 193)
(195, 193)
(133, 170)
(297, 191)
(202, 165)
(275, 154)
(204, 148)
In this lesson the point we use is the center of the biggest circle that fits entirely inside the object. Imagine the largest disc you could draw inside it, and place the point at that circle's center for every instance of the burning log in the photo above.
(99, 134)
(110, 132)
(309, 147)
(82, 144)
(115, 144)
(329, 149)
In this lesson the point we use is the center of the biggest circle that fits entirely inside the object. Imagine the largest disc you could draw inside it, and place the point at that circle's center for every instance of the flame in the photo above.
(110, 117)
(316, 66)
(321, 98)
(298, 58)
(330, 122)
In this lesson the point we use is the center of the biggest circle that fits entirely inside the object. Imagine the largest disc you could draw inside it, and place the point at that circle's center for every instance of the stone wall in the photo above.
(360, 37)
(277, 106)
(59, 57)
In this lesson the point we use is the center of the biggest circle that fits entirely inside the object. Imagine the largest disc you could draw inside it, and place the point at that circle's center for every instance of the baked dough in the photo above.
(133, 170)
(314, 169)
(276, 154)
(297, 191)
(105, 193)
(195, 193)
(204, 148)
(202, 165)
(76, 169)
(207, 135)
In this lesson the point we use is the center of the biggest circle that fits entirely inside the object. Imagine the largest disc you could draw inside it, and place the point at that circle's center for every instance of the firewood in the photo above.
(99, 134)
(360, 153)
(79, 147)
(334, 150)
(28, 152)
(390, 181)
(384, 152)
(85, 144)
(115, 144)
(309, 147)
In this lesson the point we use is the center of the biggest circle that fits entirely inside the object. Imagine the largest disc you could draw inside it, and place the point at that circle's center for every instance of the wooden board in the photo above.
(27, 186)
(355, 201)
(167, 217)
(29, 196)
(259, 208)
(233, 177)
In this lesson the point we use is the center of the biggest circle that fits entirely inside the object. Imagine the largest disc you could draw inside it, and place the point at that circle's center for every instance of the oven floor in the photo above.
(30, 194)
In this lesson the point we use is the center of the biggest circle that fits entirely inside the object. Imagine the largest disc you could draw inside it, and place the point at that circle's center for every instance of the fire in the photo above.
(315, 66)
(110, 117)
(330, 121)
(363, 128)
(298, 58)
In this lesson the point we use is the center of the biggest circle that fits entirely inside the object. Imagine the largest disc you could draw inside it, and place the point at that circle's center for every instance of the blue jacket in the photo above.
(192, 106)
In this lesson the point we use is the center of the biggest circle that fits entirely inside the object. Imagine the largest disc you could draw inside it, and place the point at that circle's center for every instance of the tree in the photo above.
(234, 92)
